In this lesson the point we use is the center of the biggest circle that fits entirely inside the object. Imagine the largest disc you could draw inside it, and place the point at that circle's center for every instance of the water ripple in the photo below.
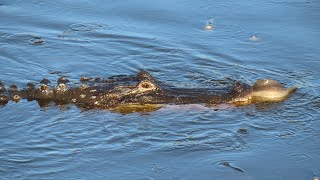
(23, 38)
(75, 30)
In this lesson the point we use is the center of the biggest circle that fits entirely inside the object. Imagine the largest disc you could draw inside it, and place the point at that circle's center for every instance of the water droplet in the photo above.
(254, 37)
(209, 26)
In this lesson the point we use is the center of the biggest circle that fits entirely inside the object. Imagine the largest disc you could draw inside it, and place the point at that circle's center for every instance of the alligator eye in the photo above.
(145, 85)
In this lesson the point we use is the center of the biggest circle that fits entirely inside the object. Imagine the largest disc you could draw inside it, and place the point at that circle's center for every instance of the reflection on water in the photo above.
(249, 40)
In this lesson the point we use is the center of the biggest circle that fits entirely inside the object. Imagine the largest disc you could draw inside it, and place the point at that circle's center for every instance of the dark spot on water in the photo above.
(250, 114)
(243, 131)
(145, 114)
(37, 41)
(227, 164)
(39, 2)
(55, 72)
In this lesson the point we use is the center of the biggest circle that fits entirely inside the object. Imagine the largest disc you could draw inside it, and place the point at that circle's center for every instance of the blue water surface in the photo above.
(277, 39)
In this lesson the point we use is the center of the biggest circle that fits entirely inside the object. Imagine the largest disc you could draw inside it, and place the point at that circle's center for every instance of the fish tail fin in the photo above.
(291, 90)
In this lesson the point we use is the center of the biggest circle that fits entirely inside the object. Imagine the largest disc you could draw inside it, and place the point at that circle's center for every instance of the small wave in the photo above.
(75, 29)
(24, 38)
(84, 27)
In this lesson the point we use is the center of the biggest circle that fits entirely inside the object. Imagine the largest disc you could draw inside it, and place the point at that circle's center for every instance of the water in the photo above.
(48, 39)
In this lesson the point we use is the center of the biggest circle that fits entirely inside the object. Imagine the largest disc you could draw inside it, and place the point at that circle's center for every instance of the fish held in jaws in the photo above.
(267, 90)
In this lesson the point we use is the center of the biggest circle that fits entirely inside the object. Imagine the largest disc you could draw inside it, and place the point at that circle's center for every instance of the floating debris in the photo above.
(209, 26)
(37, 41)
(227, 164)
(242, 131)
(253, 37)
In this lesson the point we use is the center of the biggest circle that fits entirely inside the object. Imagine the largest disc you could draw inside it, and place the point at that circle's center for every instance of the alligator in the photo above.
(141, 91)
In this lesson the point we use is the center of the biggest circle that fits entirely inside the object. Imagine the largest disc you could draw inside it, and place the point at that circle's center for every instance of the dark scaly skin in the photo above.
(100, 93)
(139, 89)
